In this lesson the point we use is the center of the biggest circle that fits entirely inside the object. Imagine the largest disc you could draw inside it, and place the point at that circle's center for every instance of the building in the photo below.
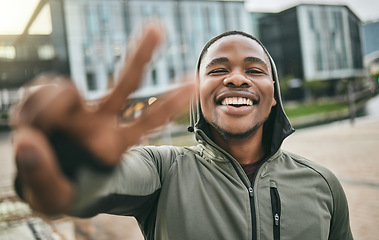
(370, 37)
(24, 56)
(98, 31)
(371, 46)
(89, 38)
(314, 43)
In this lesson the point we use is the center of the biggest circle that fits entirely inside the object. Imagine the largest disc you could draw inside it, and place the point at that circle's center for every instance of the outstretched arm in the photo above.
(55, 121)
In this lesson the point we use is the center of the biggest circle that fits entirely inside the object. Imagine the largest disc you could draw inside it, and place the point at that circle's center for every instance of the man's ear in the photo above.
(273, 98)
(273, 102)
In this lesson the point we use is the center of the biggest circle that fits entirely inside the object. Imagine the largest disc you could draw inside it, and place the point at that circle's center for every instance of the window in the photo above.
(171, 72)
(318, 52)
(154, 78)
(42, 24)
(206, 19)
(311, 20)
(46, 52)
(7, 52)
(91, 81)
(92, 20)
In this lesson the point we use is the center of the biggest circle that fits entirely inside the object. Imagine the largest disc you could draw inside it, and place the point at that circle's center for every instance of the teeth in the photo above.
(237, 101)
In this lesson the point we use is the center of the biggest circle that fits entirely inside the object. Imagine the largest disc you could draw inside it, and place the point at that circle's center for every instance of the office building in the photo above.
(98, 32)
(314, 43)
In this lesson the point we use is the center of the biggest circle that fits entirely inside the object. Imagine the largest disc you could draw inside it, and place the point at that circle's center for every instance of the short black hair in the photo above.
(225, 34)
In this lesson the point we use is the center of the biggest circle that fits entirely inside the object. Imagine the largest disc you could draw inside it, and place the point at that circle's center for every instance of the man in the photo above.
(235, 184)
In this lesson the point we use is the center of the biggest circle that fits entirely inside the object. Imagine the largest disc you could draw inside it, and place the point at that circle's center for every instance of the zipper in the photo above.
(252, 209)
(276, 210)
(251, 192)
(250, 189)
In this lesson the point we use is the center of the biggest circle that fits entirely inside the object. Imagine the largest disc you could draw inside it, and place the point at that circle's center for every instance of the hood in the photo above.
(276, 128)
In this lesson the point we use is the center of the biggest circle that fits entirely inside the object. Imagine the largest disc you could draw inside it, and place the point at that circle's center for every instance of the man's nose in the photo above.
(237, 80)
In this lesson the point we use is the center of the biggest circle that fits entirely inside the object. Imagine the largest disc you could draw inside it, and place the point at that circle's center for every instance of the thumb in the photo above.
(44, 186)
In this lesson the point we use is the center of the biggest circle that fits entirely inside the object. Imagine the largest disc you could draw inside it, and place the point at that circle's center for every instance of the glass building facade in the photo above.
(331, 43)
(371, 37)
(98, 32)
(371, 46)
(315, 42)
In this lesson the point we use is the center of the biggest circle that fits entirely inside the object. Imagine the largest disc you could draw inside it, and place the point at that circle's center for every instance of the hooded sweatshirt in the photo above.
(202, 192)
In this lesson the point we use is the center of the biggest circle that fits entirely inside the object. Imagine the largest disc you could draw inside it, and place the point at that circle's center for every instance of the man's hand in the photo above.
(59, 107)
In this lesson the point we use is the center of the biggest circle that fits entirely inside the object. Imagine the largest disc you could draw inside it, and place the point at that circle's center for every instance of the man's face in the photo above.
(236, 86)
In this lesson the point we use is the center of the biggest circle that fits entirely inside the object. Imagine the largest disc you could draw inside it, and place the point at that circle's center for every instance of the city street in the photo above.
(350, 151)
(122, 55)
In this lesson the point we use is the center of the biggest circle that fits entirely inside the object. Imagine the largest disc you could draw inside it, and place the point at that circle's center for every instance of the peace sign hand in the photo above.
(59, 107)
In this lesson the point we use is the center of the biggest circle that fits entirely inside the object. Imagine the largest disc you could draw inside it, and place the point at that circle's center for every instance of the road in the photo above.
(351, 152)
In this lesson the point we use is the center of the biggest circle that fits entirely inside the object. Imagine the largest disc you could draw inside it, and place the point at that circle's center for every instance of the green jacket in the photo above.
(202, 192)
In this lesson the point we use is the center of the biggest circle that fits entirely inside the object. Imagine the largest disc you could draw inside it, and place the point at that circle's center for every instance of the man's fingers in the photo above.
(133, 70)
(109, 142)
(159, 113)
(44, 187)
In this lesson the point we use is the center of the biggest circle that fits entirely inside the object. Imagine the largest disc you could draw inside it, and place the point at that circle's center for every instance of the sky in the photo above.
(366, 10)
(14, 14)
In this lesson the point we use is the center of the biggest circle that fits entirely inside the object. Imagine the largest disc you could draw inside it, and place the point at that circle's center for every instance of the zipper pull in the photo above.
(276, 219)
(251, 192)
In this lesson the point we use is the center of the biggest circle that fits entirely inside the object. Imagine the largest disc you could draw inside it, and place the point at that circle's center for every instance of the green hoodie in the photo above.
(202, 192)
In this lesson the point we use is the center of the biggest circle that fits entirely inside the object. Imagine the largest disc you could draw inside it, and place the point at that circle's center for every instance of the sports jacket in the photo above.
(202, 192)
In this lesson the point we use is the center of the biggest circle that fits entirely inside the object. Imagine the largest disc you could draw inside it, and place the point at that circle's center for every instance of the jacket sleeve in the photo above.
(131, 188)
(340, 223)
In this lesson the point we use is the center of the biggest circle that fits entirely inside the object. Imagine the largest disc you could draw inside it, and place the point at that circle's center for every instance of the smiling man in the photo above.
(235, 184)
(236, 95)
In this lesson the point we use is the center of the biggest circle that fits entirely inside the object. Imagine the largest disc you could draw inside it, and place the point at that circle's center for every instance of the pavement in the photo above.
(350, 151)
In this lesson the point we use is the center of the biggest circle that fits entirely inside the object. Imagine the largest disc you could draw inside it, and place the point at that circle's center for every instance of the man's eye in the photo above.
(255, 71)
(218, 71)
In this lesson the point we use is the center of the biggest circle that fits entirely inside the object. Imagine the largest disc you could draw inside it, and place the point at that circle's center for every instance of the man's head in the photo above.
(236, 84)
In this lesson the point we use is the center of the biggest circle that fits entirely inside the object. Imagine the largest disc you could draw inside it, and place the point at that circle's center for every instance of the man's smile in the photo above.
(237, 98)
(237, 102)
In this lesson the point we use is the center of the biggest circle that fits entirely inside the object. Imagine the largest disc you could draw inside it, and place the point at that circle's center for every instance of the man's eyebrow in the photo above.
(217, 60)
(256, 60)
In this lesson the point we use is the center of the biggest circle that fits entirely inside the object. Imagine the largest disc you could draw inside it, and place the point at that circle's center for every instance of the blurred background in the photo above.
(326, 52)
